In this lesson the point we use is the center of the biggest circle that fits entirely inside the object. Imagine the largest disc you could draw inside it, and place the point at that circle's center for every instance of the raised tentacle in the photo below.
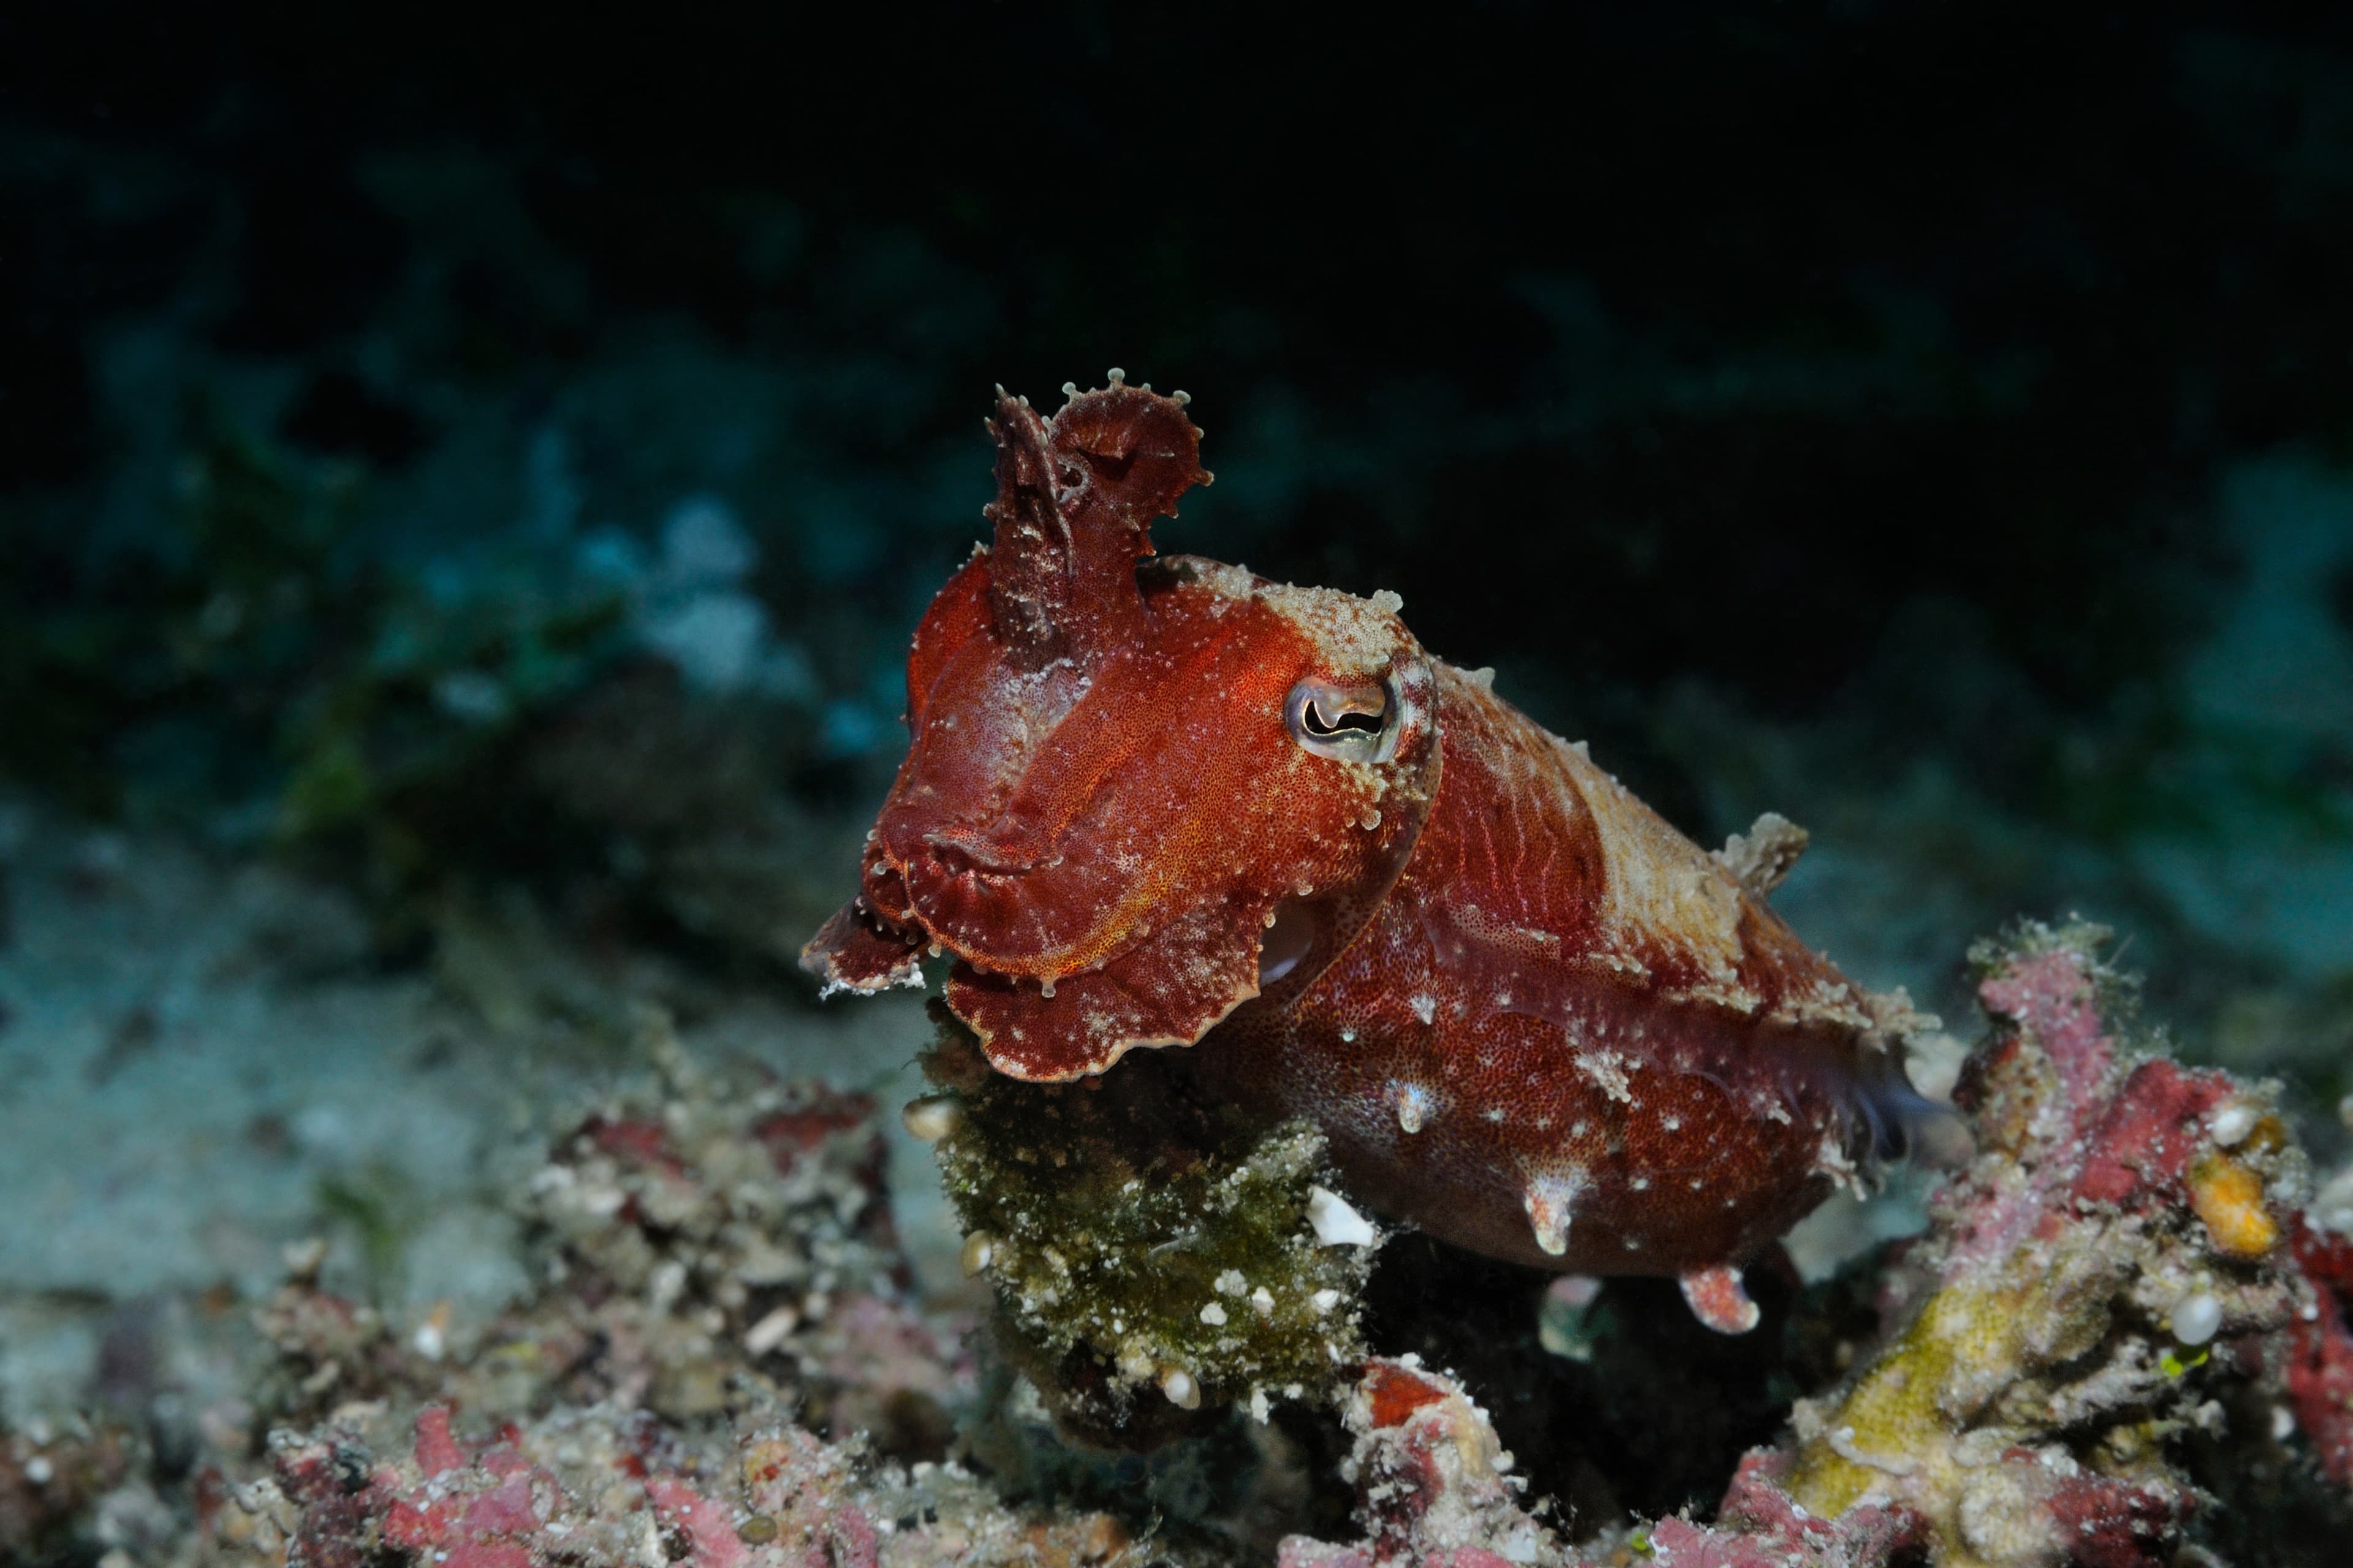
(1076, 497)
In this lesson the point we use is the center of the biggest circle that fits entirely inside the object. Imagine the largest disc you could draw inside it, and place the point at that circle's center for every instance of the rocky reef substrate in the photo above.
(2122, 1342)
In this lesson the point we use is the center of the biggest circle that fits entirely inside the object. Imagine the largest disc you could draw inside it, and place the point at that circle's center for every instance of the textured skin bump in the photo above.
(1532, 1017)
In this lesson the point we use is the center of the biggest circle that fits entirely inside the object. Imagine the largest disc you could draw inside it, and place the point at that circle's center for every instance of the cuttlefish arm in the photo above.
(862, 952)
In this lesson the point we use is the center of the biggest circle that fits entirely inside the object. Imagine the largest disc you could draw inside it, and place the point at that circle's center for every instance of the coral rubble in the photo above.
(599, 1486)
(2094, 1274)
(1434, 1487)
(723, 1363)
(714, 1248)
(53, 1483)
(2123, 1343)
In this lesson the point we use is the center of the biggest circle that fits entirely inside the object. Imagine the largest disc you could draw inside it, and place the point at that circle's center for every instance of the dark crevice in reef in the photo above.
(1650, 1423)
(1656, 1415)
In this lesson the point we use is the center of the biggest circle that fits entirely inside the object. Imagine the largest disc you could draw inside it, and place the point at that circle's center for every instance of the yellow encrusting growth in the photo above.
(1903, 1428)
(2230, 1198)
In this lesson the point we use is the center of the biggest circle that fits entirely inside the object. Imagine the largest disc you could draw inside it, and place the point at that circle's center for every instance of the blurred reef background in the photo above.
(467, 479)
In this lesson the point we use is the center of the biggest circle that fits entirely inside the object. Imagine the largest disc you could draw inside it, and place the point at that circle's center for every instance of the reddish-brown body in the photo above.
(1508, 1025)
(1531, 1016)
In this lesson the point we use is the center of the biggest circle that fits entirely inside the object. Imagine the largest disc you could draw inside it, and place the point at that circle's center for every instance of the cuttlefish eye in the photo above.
(1353, 723)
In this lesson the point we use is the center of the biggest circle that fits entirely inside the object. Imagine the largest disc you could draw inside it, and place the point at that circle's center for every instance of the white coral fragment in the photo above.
(1336, 1224)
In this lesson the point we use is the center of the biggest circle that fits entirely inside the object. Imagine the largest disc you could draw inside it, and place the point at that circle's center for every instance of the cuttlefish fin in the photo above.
(1169, 990)
(1076, 497)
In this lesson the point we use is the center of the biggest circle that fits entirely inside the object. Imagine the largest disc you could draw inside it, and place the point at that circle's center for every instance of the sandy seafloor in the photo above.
(199, 1066)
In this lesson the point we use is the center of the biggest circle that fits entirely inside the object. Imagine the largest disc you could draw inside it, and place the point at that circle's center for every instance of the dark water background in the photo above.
(491, 462)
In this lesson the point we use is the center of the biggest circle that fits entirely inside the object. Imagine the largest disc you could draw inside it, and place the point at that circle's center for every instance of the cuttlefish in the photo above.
(1160, 802)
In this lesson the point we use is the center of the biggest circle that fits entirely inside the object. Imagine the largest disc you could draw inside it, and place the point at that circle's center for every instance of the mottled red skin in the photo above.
(1532, 1017)
(1717, 1142)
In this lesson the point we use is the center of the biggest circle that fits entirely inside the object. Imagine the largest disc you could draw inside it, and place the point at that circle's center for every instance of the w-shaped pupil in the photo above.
(1315, 724)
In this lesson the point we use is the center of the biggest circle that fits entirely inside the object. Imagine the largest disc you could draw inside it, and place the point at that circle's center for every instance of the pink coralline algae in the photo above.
(2317, 1364)
(596, 1487)
(463, 1508)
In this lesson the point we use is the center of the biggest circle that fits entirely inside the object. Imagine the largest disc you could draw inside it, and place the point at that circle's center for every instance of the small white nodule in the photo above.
(2196, 1318)
(979, 1251)
(931, 1118)
(1182, 1391)
(2231, 1122)
(771, 1331)
(1336, 1224)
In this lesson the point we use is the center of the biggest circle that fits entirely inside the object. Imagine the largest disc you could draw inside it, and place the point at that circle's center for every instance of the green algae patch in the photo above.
(1151, 1251)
